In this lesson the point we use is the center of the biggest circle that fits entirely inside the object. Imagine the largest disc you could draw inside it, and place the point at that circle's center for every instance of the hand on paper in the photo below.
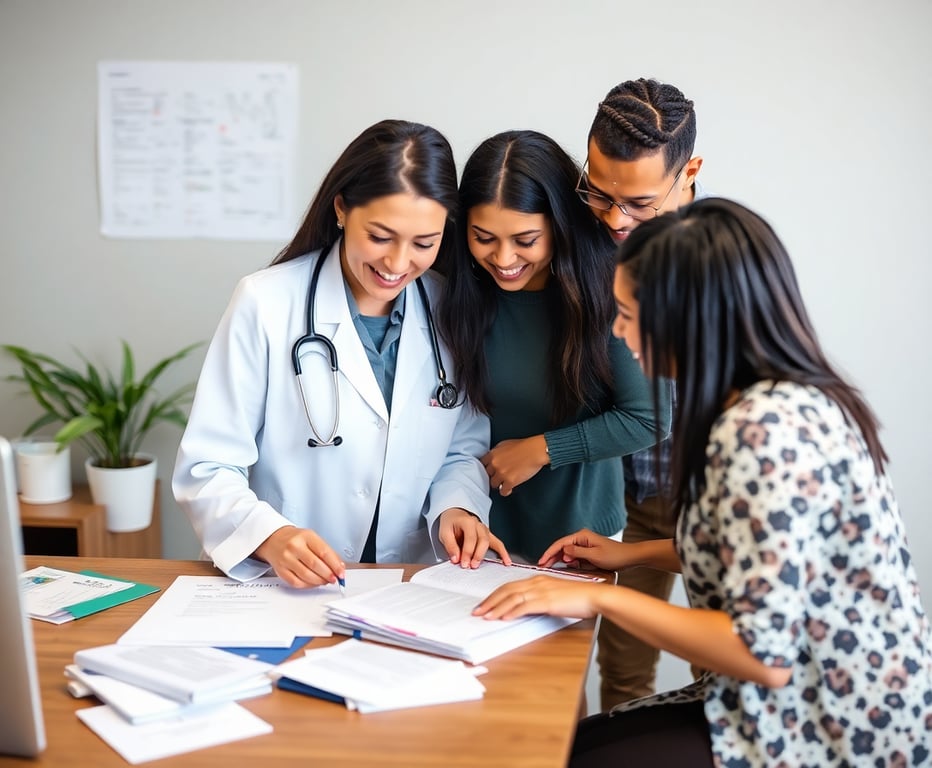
(513, 462)
(542, 594)
(584, 546)
(301, 558)
(587, 548)
(466, 539)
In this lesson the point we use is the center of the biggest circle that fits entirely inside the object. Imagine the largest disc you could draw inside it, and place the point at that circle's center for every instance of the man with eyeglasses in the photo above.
(640, 164)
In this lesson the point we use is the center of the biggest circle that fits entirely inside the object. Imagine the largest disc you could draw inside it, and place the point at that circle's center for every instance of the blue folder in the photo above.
(271, 655)
(287, 684)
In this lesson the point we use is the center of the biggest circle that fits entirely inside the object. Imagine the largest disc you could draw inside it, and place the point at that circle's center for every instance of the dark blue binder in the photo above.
(287, 684)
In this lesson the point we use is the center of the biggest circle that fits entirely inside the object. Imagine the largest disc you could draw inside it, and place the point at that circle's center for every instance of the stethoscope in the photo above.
(446, 395)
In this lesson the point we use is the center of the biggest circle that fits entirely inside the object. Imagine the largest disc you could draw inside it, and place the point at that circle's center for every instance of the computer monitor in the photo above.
(22, 729)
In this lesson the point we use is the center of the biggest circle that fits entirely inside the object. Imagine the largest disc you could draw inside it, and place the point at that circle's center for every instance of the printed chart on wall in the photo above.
(197, 149)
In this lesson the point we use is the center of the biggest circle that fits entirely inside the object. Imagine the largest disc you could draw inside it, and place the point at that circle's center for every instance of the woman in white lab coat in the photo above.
(370, 454)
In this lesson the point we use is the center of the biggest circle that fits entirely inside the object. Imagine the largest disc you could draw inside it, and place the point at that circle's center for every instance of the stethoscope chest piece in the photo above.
(447, 395)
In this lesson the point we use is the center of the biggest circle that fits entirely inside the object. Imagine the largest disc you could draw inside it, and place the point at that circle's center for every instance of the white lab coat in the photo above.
(244, 468)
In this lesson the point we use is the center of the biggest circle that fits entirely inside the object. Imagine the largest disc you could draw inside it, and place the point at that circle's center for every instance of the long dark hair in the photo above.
(720, 309)
(388, 158)
(529, 172)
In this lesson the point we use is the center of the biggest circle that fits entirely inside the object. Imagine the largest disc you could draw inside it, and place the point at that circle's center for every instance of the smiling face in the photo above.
(515, 248)
(387, 243)
(644, 184)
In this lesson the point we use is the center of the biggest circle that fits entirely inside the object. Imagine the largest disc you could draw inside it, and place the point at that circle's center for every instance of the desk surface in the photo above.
(527, 717)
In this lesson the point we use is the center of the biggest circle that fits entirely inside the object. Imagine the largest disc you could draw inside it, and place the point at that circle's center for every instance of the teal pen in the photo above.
(342, 582)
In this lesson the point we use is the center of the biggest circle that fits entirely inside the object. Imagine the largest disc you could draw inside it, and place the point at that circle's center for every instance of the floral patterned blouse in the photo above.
(800, 541)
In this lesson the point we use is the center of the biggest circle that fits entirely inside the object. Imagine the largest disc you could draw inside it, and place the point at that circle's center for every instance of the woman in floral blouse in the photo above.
(804, 604)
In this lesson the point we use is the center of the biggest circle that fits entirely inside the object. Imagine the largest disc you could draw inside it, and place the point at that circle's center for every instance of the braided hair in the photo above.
(639, 117)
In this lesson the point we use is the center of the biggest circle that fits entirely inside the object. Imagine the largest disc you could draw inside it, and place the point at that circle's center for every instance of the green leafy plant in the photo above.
(109, 416)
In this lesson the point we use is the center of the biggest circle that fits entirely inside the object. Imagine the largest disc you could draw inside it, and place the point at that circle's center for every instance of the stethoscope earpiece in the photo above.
(447, 394)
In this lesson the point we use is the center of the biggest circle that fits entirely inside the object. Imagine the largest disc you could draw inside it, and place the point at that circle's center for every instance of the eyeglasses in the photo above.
(601, 202)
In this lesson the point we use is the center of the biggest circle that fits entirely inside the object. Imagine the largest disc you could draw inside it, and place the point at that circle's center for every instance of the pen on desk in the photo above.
(342, 582)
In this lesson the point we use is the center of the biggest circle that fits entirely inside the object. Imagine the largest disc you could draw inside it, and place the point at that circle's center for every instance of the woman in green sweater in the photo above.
(528, 321)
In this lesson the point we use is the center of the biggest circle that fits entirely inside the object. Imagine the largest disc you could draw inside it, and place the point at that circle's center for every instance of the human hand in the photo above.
(512, 462)
(301, 558)
(466, 539)
(584, 545)
(542, 594)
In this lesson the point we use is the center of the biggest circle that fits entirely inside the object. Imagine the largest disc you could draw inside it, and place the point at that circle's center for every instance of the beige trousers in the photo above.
(628, 667)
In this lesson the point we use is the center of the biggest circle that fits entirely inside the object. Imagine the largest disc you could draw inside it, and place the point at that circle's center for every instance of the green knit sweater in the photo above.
(584, 484)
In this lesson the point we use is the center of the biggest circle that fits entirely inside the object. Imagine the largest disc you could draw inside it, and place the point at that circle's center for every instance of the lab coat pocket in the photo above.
(435, 434)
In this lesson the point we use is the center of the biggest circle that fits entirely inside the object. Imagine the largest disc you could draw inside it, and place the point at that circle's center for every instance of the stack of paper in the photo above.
(59, 596)
(195, 676)
(161, 701)
(167, 689)
(373, 678)
(433, 612)
(138, 705)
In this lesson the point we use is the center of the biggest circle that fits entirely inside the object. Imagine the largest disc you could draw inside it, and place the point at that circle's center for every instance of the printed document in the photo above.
(265, 613)
(433, 612)
(48, 592)
(374, 678)
(197, 149)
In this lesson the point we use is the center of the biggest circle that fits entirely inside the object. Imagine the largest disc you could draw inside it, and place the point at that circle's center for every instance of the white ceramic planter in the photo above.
(127, 493)
(43, 474)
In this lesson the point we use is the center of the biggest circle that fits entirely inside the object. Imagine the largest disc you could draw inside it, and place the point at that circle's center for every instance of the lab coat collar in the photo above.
(414, 352)
(332, 318)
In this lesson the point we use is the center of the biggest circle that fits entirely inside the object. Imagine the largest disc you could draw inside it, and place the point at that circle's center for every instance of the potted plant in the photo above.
(110, 417)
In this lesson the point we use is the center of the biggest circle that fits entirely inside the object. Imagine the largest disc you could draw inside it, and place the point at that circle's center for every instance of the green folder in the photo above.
(97, 604)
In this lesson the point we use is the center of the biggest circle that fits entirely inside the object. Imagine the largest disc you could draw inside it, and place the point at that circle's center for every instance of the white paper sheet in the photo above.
(197, 149)
(174, 736)
(374, 678)
(265, 613)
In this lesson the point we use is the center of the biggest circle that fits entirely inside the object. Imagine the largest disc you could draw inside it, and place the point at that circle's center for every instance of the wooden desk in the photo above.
(526, 719)
(88, 521)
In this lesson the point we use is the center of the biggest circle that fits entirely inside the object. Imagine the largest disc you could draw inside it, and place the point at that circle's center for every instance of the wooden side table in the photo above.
(79, 527)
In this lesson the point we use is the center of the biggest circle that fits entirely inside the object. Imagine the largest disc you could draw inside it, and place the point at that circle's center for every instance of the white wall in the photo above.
(816, 114)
